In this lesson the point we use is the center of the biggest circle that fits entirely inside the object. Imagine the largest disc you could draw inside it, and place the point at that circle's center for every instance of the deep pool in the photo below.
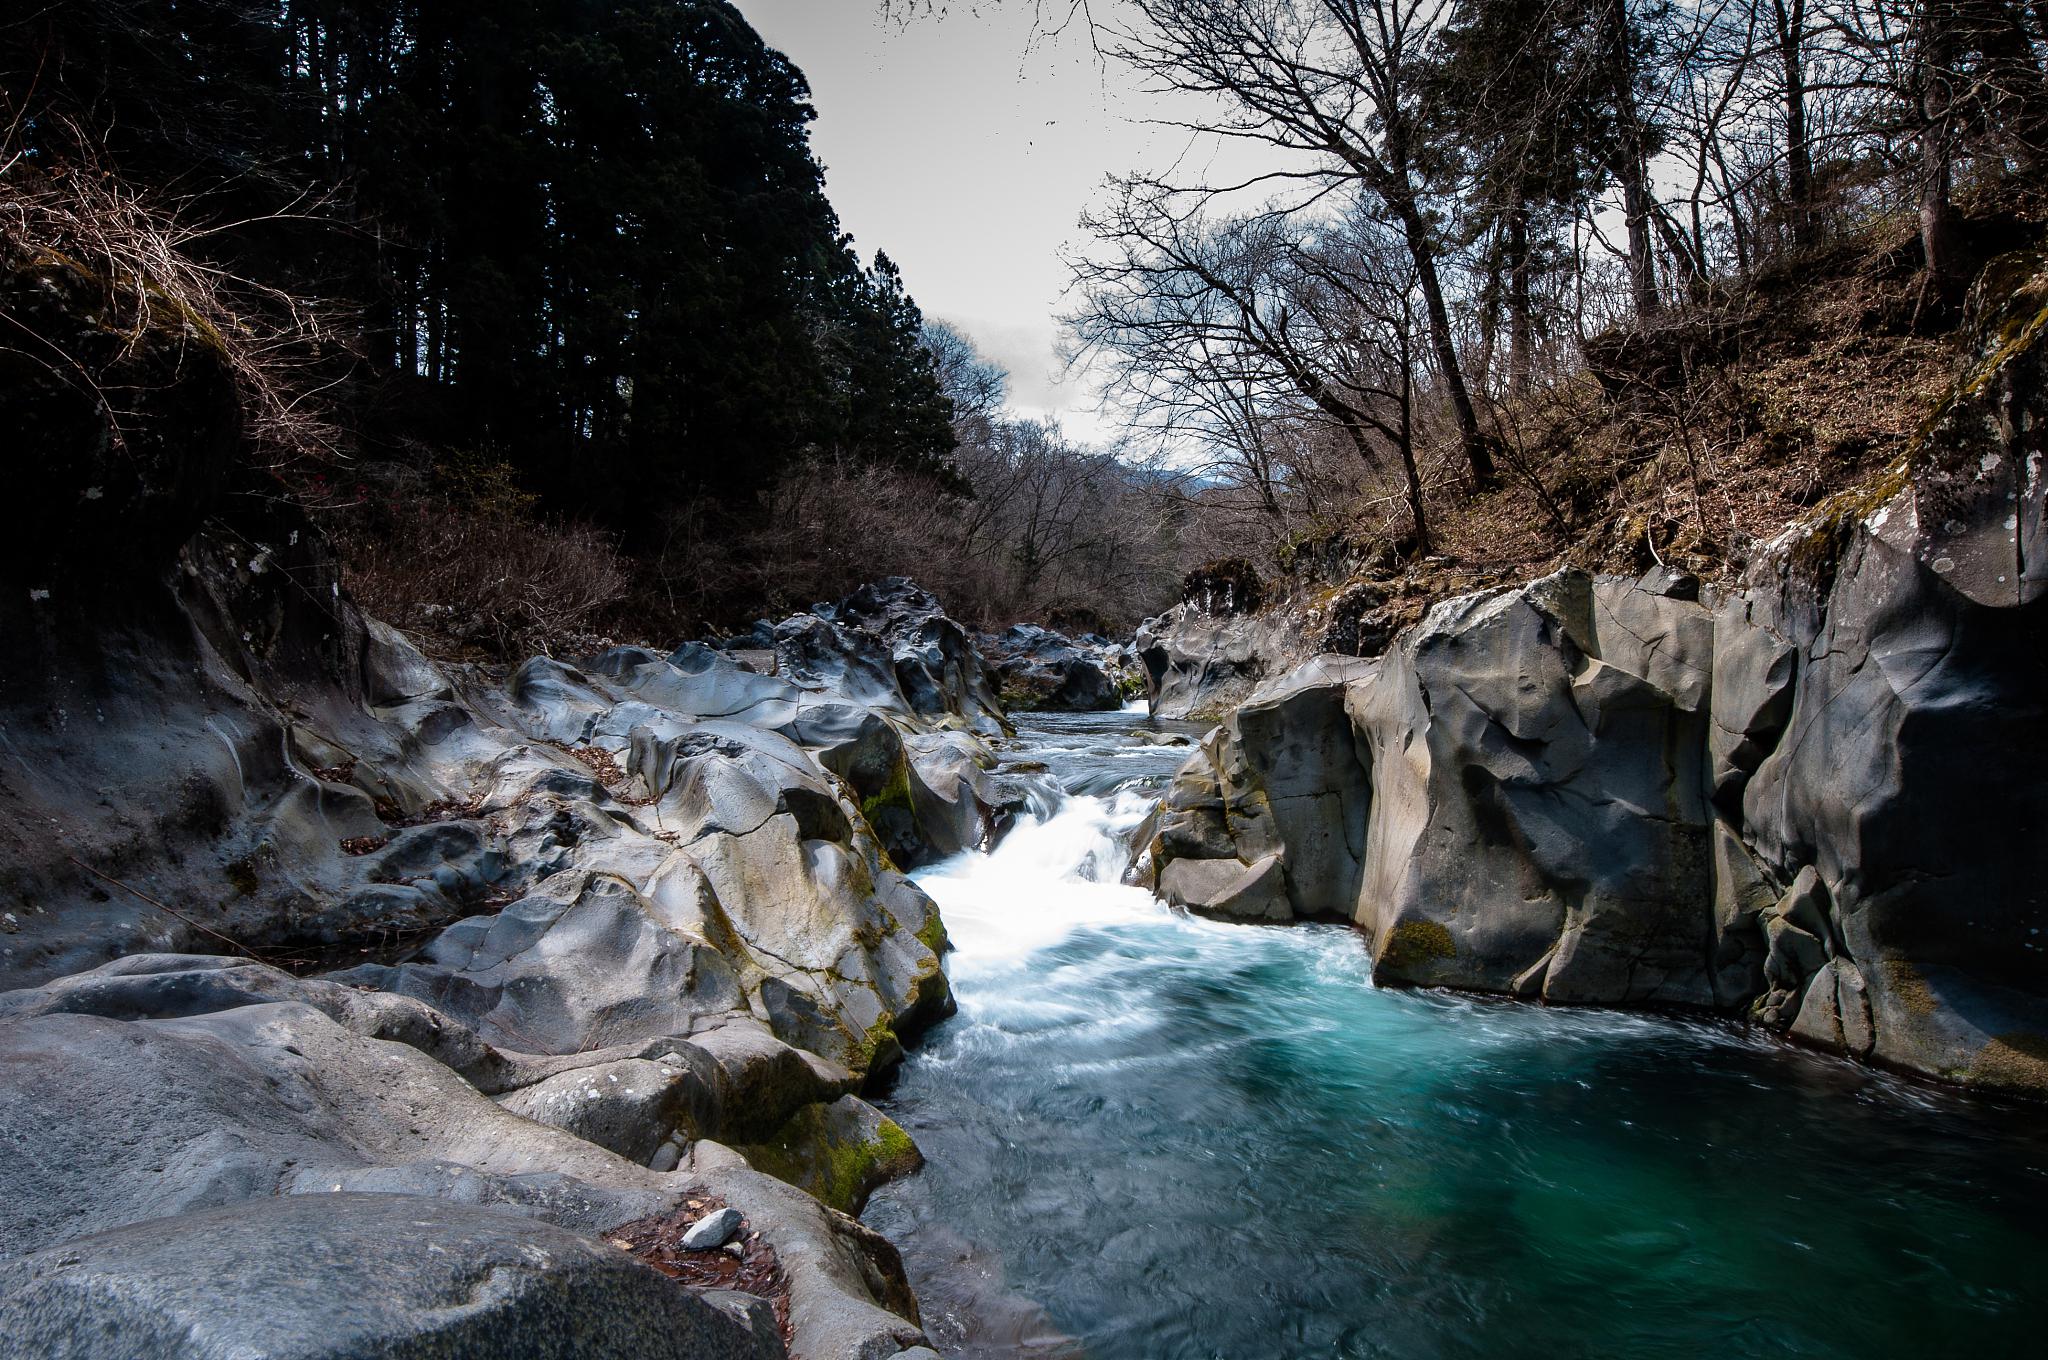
(1189, 1139)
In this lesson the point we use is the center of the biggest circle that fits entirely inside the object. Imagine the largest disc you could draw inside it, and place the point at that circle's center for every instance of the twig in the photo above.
(169, 911)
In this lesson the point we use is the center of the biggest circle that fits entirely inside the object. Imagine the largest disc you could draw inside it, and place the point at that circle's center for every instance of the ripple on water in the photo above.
(1192, 1139)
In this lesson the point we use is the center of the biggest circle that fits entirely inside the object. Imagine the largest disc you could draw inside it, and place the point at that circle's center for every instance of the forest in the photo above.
(541, 311)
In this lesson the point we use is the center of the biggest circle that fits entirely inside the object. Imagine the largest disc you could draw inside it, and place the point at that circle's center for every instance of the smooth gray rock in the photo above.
(356, 1276)
(1037, 668)
(889, 643)
(713, 1230)
(847, 1294)
(1907, 779)
(1754, 671)
(636, 1107)
(586, 962)
(1299, 755)
(1539, 823)
(115, 1121)
(172, 986)
(1199, 664)
(1226, 888)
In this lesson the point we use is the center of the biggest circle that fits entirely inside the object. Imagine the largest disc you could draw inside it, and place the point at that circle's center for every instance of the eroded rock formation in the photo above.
(489, 967)
(1814, 798)
(1037, 668)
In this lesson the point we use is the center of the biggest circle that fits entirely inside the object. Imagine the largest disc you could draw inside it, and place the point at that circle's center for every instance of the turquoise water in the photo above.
(1192, 1139)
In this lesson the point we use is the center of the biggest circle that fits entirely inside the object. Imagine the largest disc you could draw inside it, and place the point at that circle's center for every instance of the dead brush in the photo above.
(468, 566)
(144, 254)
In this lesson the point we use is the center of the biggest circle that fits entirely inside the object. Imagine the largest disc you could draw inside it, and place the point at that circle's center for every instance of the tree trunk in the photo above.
(1490, 310)
(1470, 441)
(1631, 159)
(1799, 205)
(1685, 266)
(1412, 478)
(1937, 211)
(1521, 327)
(1407, 450)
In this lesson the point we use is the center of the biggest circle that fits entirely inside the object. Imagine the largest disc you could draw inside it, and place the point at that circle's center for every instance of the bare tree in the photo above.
(1191, 318)
(1336, 79)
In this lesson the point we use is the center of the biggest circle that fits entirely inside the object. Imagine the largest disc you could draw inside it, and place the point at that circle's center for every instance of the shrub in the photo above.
(459, 551)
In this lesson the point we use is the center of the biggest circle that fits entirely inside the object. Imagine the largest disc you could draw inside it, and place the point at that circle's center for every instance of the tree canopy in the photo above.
(586, 238)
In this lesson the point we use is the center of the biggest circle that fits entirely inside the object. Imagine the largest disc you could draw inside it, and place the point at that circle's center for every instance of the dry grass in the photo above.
(1820, 386)
(454, 554)
(146, 256)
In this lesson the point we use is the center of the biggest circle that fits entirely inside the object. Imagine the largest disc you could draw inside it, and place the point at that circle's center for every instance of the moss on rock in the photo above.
(932, 934)
(1413, 945)
(895, 794)
(837, 1153)
(2015, 1061)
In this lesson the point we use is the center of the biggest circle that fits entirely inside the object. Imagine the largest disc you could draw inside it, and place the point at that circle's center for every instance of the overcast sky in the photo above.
(967, 147)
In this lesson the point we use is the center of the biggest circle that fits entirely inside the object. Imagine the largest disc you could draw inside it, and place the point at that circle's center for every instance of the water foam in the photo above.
(1056, 872)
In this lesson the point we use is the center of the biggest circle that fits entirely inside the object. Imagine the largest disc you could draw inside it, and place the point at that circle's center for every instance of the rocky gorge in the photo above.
(1808, 796)
(359, 1003)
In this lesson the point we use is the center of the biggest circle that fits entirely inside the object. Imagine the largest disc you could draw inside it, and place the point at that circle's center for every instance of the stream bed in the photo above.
(1183, 1138)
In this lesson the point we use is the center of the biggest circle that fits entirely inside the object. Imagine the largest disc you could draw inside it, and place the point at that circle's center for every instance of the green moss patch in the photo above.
(826, 1152)
(894, 794)
(1413, 945)
(878, 1048)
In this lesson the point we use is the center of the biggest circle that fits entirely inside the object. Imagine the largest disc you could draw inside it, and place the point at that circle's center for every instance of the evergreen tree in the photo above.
(586, 237)
(1513, 126)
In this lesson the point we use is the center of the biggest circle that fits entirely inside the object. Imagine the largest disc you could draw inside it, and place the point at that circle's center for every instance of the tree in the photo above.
(1201, 324)
(1506, 106)
(586, 238)
(1338, 80)
(977, 387)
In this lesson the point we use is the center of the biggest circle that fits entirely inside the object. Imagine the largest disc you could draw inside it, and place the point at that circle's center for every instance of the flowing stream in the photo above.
(1192, 1139)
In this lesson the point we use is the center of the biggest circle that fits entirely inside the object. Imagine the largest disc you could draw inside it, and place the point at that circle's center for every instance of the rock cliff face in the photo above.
(293, 911)
(1814, 798)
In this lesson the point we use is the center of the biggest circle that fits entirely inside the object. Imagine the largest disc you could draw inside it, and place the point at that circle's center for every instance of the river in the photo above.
(1191, 1139)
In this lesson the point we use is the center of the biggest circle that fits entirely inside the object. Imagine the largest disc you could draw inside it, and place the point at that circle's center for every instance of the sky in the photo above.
(967, 146)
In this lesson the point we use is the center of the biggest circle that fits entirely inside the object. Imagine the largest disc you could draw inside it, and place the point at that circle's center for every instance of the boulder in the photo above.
(1227, 888)
(1268, 819)
(713, 1230)
(1199, 664)
(1037, 668)
(937, 669)
(1539, 824)
(355, 1276)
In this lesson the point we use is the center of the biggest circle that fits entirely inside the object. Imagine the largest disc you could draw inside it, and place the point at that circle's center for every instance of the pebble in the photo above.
(712, 1230)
